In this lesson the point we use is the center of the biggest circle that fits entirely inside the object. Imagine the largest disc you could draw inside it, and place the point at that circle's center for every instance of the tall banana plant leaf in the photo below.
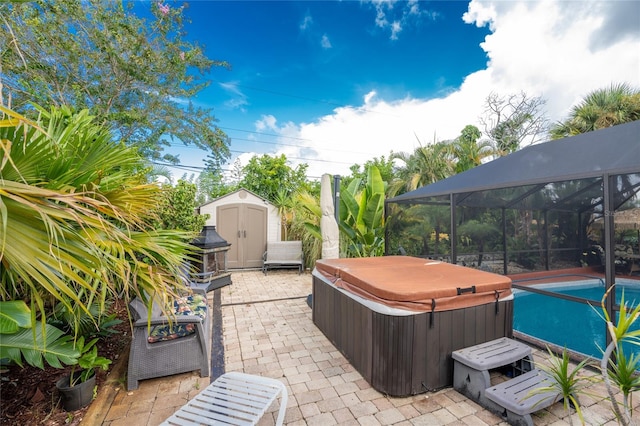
(74, 215)
(361, 215)
(20, 337)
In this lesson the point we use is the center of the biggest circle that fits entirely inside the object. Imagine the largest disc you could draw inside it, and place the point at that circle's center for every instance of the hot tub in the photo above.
(398, 318)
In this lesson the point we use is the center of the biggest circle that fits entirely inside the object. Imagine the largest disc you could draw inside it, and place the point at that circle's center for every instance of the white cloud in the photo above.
(369, 96)
(325, 42)
(394, 15)
(238, 100)
(306, 22)
(413, 7)
(381, 17)
(396, 27)
(267, 122)
(544, 48)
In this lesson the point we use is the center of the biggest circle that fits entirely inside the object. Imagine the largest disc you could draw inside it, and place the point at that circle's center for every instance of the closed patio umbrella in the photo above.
(328, 224)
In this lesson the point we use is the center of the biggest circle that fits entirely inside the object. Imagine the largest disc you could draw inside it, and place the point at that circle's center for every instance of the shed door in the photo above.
(245, 227)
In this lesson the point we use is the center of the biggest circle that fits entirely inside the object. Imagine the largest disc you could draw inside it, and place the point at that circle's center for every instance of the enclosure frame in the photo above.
(609, 157)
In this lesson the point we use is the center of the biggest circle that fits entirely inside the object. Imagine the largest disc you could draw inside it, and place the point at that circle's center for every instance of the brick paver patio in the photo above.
(267, 330)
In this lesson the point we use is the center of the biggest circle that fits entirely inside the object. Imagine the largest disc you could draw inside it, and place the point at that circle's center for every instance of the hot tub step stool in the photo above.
(471, 365)
(516, 399)
(512, 399)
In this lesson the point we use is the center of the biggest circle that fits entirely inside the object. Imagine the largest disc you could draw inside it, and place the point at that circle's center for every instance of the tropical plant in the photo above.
(211, 185)
(467, 151)
(133, 73)
(427, 164)
(267, 176)
(384, 165)
(622, 373)
(478, 232)
(284, 203)
(617, 104)
(22, 337)
(361, 216)
(74, 206)
(88, 361)
(615, 368)
(176, 206)
(77, 322)
(306, 226)
(567, 382)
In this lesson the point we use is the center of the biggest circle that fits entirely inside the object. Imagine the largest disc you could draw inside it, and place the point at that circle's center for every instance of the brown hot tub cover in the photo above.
(415, 284)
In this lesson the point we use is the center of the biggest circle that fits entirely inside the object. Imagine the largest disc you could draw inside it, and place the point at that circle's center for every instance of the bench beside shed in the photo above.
(283, 254)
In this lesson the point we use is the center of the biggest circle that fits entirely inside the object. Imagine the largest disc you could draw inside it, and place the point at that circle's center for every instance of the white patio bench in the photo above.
(283, 254)
(233, 398)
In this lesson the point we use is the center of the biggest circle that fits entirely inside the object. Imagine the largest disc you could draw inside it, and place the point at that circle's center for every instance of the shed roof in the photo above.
(232, 193)
(541, 170)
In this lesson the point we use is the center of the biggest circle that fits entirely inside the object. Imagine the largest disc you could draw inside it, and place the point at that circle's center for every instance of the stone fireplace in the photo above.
(210, 261)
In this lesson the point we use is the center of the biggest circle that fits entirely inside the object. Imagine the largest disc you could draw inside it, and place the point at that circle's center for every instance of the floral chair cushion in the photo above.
(189, 305)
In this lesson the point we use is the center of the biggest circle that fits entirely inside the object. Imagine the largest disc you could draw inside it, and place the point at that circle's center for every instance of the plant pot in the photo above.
(78, 396)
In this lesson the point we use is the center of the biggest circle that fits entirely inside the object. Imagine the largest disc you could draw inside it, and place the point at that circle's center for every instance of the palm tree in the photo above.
(305, 225)
(508, 134)
(74, 209)
(284, 201)
(617, 104)
(468, 152)
(427, 164)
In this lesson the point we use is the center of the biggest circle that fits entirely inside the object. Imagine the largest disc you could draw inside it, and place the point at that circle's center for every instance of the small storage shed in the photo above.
(248, 222)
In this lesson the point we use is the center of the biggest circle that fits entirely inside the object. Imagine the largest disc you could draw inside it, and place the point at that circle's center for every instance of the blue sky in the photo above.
(331, 83)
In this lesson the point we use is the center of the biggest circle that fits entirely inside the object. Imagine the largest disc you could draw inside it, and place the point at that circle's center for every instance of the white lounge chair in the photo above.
(233, 398)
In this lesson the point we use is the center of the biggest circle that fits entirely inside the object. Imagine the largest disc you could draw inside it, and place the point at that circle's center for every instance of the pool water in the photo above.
(577, 326)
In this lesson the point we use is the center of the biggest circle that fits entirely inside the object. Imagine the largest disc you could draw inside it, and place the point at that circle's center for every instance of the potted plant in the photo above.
(78, 388)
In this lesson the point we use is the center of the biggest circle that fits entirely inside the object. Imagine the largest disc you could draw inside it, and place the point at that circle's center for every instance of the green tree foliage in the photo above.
(211, 185)
(176, 208)
(137, 75)
(467, 151)
(617, 104)
(305, 225)
(385, 166)
(509, 121)
(427, 164)
(35, 341)
(272, 178)
(478, 233)
(418, 230)
(623, 372)
(74, 209)
(361, 216)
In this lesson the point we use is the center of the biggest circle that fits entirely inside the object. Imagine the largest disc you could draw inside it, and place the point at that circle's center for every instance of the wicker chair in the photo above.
(165, 354)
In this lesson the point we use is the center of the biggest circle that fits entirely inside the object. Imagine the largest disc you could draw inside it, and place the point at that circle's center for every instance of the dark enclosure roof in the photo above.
(537, 172)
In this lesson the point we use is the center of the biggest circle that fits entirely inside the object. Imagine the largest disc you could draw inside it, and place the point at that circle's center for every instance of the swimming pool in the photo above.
(566, 323)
